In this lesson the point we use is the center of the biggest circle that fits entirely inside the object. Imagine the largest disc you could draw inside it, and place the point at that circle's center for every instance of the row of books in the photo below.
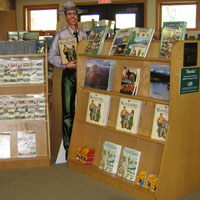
(128, 117)
(22, 107)
(119, 160)
(21, 71)
(136, 41)
(99, 74)
(26, 144)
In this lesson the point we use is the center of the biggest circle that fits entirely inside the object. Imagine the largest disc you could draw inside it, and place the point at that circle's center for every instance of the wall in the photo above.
(151, 10)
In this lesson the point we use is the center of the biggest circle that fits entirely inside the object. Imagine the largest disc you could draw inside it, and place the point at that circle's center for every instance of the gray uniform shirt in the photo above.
(54, 54)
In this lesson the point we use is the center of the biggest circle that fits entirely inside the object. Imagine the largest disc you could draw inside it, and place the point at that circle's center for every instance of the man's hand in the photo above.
(71, 65)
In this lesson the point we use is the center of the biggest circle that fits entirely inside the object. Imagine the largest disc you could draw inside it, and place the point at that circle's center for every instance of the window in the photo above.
(85, 18)
(178, 10)
(42, 19)
(124, 20)
(178, 13)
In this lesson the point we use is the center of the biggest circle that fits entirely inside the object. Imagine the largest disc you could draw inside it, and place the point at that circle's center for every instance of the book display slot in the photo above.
(24, 112)
(173, 160)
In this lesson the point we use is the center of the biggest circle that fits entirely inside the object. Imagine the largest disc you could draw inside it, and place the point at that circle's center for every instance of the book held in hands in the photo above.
(98, 108)
(67, 49)
(129, 162)
(130, 80)
(99, 73)
(128, 117)
(110, 157)
(160, 122)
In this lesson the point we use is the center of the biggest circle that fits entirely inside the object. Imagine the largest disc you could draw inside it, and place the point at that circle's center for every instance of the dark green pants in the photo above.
(68, 105)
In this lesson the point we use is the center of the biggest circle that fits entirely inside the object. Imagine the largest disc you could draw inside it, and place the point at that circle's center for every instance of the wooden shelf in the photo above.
(175, 161)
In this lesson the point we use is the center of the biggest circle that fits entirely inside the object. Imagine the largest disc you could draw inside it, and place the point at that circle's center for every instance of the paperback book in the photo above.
(120, 42)
(160, 81)
(110, 157)
(130, 80)
(129, 162)
(96, 40)
(99, 73)
(160, 122)
(171, 33)
(128, 115)
(67, 49)
(4, 145)
(26, 143)
(139, 42)
(98, 108)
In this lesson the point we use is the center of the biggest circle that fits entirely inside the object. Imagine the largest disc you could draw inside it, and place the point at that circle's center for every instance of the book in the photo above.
(129, 162)
(139, 42)
(96, 40)
(160, 81)
(12, 35)
(67, 49)
(120, 42)
(110, 157)
(171, 33)
(128, 115)
(99, 73)
(130, 80)
(26, 143)
(98, 108)
(4, 144)
(160, 122)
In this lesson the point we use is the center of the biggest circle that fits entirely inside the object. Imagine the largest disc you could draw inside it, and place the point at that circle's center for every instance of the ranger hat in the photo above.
(68, 5)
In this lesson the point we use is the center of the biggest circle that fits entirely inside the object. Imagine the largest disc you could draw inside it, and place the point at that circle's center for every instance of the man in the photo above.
(69, 70)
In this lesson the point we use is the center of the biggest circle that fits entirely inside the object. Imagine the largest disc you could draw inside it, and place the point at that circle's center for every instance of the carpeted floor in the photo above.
(58, 182)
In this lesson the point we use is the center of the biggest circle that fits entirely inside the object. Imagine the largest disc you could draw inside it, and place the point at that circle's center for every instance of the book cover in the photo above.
(120, 41)
(26, 143)
(160, 81)
(110, 157)
(129, 162)
(160, 122)
(171, 32)
(4, 145)
(130, 80)
(99, 73)
(96, 40)
(128, 115)
(98, 108)
(67, 49)
(139, 42)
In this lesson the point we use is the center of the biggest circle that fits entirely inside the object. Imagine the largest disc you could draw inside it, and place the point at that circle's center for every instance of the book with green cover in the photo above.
(96, 40)
(171, 33)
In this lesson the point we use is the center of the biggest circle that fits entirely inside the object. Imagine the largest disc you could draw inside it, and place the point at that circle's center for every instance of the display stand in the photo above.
(175, 161)
(39, 126)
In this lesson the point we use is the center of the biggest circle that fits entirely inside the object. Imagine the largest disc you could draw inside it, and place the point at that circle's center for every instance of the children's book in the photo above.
(110, 157)
(120, 41)
(129, 163)
(139, 42)
(130, 80)
(160, 81)
(26, 143)
(67, 49)
(96, 40)
(128, 115)
(4, 145)
(99, 73)
(171, 33)
(98, 108)
(160, 122)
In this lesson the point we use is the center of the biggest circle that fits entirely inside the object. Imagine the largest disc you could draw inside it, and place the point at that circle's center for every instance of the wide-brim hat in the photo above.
(68, 5)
